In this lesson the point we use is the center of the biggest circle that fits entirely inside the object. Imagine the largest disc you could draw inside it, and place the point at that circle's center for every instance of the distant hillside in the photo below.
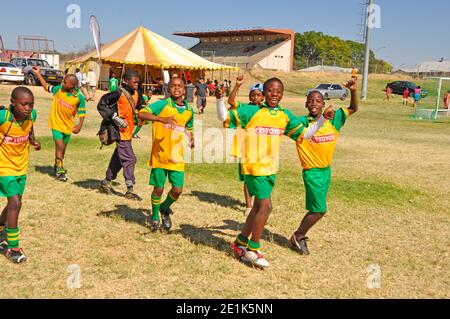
(314, 48)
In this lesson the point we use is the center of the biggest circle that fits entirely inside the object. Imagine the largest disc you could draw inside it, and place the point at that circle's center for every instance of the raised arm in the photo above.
(41, 79)
(352, 85)
(222, 113)
(232, 98)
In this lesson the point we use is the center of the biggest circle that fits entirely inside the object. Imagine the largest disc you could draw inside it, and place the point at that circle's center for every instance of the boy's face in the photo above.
(69, 83)
(256, 97)
(315, 103)
(176, 88)
(132, 83)
(273, 93)
(23, 104)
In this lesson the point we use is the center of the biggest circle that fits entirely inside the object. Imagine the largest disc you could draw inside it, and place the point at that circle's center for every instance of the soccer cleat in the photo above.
(154, 227)
(105, 187)
(61, 174)
(166, 220)
(16, 255)
(133, 196)
(299, 246)
(3, 247)
(255, 259)
(238, 251)
(61, 177)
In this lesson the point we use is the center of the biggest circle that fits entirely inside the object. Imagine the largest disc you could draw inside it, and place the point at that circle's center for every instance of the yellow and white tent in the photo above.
(144, 47)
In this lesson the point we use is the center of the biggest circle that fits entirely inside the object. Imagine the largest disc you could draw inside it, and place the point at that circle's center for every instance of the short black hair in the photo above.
(77, 70)
(73, 77)
(272, 80)
(129, 74)
(315, 91)
(176, 78)
(21, 90)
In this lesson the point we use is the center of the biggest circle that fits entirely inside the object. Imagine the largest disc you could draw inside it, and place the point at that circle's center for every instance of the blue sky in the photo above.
(412, 31)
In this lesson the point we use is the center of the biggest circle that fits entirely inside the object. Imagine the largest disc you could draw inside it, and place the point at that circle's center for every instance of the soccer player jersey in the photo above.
(318, 152)
(14, 139)
(264, 128)
(168, 139)
(64, 109)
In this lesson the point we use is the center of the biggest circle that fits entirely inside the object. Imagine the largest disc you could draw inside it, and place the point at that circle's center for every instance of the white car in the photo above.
(331, 91)
(10, 73)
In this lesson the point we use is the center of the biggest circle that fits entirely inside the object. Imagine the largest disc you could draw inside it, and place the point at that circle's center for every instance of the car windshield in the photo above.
(323, 86)
(7, 65)
(40, 63)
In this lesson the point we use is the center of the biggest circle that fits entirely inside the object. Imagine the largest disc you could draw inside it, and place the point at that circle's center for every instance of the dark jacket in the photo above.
(107, 106)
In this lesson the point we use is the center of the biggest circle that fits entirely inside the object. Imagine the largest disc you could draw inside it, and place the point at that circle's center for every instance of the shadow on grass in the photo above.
(138, 216)
(211, 236)
(93, 184)
(46, 170)
(216, 199)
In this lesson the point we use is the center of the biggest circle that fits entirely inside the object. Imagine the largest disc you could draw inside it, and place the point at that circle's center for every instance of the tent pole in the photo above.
(123, 71)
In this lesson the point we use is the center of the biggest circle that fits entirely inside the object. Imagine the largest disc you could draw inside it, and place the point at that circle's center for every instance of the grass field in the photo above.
(389, 206)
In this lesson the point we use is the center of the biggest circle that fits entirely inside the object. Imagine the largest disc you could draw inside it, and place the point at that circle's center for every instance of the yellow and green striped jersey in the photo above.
(65, 107)
(14, 150)
(264, 128)
(168, 139)
(318, 152)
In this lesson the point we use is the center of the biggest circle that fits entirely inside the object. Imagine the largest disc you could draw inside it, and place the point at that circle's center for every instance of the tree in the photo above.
(314, 48)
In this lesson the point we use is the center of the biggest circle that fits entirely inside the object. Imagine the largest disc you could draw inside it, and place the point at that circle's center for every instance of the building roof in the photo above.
(429, 67)
(145, 47)
(243, 32)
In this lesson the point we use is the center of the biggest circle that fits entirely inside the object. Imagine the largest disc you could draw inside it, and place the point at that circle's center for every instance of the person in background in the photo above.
(91, 81)
(113, 82)
(201, 91)
(417, 95)
(405, 96)
(447, 100)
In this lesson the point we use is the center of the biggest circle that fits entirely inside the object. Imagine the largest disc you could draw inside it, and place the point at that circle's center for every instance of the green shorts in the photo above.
(241, 176)
(58, 136)
(159, 176)
(260, 186)
(317, 183)
(12, 185)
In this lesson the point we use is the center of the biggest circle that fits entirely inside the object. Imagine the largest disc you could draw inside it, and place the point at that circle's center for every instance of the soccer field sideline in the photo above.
(385, 201)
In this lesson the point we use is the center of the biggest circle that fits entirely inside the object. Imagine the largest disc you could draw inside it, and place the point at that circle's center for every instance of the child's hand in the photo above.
(36, 144)
(240, 80)
(36, 69)
(329, 113)
(76, 129)
(352, 85)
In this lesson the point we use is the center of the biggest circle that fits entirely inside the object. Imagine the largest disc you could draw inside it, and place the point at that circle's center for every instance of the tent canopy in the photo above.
(145, 47)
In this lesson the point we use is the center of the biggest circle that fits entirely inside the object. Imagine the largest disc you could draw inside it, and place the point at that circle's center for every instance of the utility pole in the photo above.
(367, 52)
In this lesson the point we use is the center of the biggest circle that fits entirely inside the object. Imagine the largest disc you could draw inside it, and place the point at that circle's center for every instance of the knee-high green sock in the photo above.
(253, 246)
(12, 237)
(168, 202)
(241, 241)
(156, 203)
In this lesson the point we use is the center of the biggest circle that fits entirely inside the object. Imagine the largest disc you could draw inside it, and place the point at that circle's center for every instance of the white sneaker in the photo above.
(255, 259)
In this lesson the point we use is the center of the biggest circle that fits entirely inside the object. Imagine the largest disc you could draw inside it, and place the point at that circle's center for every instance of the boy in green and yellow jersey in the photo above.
(316, 156)
(265, 126)
(16, 135)
(68, 102)
(256, 97)
(173, 119)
